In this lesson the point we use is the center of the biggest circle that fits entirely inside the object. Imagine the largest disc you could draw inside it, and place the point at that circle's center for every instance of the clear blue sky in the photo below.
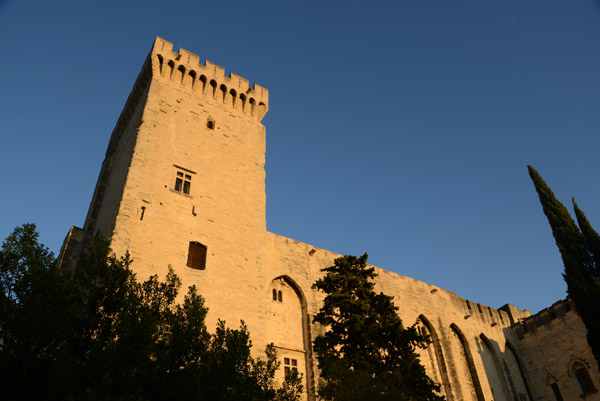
(399, 128)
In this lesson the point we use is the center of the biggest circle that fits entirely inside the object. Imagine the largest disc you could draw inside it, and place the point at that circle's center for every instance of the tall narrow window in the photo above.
(196, 256)
(584, 380)
(183, 182)
(556, 391)
(274, 295)
(279, 296)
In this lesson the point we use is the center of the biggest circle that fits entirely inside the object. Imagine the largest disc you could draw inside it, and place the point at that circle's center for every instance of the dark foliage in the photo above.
(99, 334)
(580, 252)
(366, 353)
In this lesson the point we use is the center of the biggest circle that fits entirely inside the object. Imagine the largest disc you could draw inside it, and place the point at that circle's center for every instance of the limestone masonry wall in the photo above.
(553, 344)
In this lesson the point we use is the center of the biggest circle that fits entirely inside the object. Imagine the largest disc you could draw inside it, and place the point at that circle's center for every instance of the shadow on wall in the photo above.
(504, 370)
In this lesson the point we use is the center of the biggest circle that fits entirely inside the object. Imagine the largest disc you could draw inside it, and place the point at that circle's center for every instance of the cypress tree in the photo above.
(592, 239)
(580, 254)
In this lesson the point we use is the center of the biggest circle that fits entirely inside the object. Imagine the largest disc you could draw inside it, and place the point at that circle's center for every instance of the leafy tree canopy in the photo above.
(366, 353)
(99, 334)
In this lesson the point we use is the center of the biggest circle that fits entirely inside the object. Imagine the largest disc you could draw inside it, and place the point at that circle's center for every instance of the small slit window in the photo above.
(196, 256)
(279, 296)
(274, 295)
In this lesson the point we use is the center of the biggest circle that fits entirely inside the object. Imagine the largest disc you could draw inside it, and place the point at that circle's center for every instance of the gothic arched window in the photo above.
(582, 377)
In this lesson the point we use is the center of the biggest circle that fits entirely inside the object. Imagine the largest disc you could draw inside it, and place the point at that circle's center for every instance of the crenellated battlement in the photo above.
(544, 318)
(208, 79)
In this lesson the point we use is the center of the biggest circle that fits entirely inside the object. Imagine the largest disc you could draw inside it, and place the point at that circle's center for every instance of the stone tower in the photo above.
(183, 182)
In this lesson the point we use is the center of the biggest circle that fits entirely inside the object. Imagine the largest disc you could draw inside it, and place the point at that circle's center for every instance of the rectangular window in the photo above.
(289, 365)
(183, 182)
(196, 256)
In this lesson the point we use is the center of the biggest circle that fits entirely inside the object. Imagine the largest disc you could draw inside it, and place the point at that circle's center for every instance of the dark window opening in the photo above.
(197, 256)
(289, 364)
(556, 391)
(274, 295)
(183, 183)
(279, 296)
(584, 380)
(210, 124)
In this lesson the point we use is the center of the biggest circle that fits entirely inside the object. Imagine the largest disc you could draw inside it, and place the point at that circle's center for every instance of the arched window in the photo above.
(582, 377)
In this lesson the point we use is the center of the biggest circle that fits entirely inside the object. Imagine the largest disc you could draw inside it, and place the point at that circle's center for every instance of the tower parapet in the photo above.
(208, 80)
(544, 319)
